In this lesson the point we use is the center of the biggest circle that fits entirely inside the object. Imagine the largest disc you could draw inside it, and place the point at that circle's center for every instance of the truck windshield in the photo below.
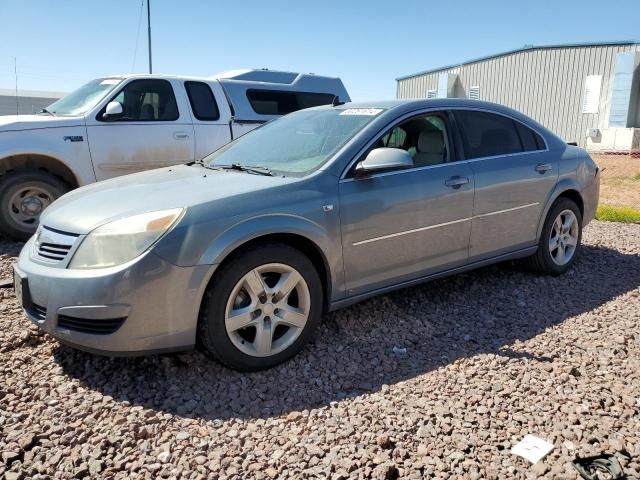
(295, 144)
(85, 98)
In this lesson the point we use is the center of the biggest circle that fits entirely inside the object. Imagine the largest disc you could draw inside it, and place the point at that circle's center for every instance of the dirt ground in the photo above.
(620, 181)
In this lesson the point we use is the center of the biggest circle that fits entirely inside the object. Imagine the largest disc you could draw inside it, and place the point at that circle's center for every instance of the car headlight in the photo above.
(123, 240)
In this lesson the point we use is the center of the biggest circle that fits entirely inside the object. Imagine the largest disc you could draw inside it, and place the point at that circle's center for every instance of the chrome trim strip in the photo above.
(421, 229)
(497, 212)
(406, 232)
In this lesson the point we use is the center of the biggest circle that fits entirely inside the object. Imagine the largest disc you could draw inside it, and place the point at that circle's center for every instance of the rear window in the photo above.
(271, 102)
(487, 134)
(202, 101)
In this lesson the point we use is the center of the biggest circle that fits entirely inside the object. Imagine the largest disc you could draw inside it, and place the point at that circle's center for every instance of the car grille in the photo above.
(91, 326)
(54, 246)
(37, 312)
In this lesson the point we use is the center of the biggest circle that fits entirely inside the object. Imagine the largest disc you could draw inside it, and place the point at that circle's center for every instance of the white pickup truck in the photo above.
(123, 124)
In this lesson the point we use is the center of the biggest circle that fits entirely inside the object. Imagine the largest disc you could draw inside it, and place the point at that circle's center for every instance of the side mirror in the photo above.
(113, 111)
(381, 159)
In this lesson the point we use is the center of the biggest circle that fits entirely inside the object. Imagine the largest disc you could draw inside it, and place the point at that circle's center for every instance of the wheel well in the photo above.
(26, 161)
(576, 198)
(303, 244)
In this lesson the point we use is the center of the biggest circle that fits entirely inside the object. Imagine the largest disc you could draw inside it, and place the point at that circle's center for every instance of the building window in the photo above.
(591, 98)
(474, 92)
(271, 102)
(432, 93)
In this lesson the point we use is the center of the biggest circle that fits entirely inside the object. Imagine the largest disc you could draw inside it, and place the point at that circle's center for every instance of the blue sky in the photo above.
(59, 45)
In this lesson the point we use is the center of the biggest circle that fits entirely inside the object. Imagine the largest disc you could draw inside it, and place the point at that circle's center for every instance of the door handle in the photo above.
(180, 135)
(456, 182)
(543, 167)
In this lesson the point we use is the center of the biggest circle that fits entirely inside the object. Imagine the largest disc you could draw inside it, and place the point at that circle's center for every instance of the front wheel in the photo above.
(560, 238)
(23, 197)
(261, 308)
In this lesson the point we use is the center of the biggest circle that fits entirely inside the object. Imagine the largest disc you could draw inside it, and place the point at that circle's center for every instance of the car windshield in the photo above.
(85, 98)
(295, 144)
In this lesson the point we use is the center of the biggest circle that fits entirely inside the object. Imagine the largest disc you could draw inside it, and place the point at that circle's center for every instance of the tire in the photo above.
(23, 197)
(546, 259)
(240, 286)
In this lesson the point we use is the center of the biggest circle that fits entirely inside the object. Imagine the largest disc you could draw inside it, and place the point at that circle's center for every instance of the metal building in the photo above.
(26, 102)
(587, 93)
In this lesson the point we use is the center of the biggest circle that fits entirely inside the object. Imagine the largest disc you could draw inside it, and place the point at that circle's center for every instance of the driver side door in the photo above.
(405, 224)
(155, 130)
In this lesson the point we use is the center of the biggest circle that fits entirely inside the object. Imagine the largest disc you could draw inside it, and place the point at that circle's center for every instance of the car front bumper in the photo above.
(145, 306)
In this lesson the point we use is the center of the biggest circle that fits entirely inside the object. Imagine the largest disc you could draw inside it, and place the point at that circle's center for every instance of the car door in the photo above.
(403, 224)
(154, 130)
(514, 175)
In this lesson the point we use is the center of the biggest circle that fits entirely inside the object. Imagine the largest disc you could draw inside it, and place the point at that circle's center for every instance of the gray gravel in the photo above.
(490, 356)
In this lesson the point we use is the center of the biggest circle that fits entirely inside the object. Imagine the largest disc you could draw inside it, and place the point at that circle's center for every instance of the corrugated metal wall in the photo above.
(546, 83)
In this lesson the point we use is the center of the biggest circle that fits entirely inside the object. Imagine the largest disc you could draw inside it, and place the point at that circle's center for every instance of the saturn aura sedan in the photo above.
(243, 251)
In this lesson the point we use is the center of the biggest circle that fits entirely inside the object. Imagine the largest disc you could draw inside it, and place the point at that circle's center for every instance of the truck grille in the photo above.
(54, 246)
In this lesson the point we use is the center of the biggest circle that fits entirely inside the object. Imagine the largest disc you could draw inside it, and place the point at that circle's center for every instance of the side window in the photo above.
(147, 101)
(271, 102)
(426, 138)
(487, 134)
(531, 141)
(202, 101)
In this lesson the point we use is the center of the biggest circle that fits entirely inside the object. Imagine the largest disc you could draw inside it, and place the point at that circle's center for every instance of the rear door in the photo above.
(404, 224)
(155, 130)
(211, 116)
(514, 175)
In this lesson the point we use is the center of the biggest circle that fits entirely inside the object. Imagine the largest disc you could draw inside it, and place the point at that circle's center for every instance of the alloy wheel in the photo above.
(267, 310)
(563, 238)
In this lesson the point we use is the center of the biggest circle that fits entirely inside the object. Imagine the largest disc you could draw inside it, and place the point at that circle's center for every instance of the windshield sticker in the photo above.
(110, 81)
(369, 112)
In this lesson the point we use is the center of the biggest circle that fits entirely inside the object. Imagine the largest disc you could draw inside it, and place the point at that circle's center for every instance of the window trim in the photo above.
(461, 136)
(117, 120)
(460, 155)
(290, 92)
(188, 83)
(454, 155)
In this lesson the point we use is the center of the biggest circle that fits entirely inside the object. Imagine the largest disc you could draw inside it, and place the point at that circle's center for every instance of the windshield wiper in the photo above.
(246, 168)
(44, 110)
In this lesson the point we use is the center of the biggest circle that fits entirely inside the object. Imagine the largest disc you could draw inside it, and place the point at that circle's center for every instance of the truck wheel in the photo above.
(262, 307)
(23, 197)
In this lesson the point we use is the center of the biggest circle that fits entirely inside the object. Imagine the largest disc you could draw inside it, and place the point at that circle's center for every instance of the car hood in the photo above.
(86, 208)
(10, 123)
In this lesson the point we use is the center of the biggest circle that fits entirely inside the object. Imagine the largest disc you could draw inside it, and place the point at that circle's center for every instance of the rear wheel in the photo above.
(261, 308)
(23, 198)
(560, 238)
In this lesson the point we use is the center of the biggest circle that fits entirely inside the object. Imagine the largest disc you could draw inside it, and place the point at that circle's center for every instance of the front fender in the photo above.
(51, 143)
(281, 224)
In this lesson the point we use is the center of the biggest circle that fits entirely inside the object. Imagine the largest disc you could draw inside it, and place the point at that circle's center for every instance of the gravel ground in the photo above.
(490, 356)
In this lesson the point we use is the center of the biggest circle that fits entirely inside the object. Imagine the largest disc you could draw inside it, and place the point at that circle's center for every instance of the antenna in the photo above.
(15, 72)
(149, 32)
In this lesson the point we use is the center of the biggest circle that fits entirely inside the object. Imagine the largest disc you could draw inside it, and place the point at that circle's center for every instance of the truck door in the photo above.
(211, 116)
(154, 130)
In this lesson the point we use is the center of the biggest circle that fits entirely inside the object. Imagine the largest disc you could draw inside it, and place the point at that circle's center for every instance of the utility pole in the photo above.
(149, 32)
(15, 72)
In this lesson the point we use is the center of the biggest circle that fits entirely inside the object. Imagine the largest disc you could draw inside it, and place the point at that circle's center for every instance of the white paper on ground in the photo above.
(532, 448)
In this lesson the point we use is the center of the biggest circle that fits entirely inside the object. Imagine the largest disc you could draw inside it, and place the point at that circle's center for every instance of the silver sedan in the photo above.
(244, 250)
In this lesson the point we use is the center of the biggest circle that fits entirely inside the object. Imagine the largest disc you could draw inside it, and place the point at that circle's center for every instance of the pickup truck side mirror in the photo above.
(113, 111)
(381, 159)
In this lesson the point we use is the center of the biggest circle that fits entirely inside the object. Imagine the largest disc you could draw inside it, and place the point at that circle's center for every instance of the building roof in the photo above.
(526, 48)
(11, 92)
